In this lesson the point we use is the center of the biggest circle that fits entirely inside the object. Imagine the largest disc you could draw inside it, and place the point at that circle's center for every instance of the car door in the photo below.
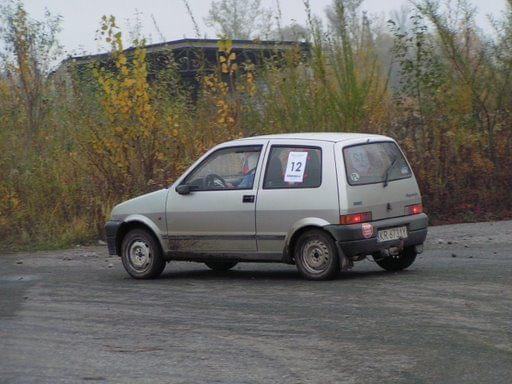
(218, 215)
(299, 186)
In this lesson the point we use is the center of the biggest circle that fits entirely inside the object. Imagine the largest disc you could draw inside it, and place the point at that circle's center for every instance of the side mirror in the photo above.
(183, 189)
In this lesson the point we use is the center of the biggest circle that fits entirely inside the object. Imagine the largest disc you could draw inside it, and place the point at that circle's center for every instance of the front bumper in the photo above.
(351, 241)
(111, 230)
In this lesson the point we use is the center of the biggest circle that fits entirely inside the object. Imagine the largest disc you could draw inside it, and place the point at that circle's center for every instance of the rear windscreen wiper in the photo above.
(388, 171)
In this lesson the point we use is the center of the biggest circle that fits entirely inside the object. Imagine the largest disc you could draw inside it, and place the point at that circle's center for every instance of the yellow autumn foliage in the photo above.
(120, 129)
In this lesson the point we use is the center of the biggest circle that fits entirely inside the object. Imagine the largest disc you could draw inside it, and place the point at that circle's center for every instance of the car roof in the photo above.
(319, 136)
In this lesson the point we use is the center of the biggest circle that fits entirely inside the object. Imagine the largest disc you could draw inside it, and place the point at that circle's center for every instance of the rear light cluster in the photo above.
(364, 217)
(356, 218)
(414, 209)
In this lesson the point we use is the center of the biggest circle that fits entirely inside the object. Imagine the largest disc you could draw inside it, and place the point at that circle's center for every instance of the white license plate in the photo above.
(392, 234)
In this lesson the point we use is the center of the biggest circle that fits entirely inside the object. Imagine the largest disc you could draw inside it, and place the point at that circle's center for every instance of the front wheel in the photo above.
(397, 263)
(221, 266)
(316, 255)
(141, 255)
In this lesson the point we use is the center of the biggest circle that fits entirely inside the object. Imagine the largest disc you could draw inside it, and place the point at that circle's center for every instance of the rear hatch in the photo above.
(376, 178)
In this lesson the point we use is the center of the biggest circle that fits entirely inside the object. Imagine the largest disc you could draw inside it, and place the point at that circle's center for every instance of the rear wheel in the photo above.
(397, 263)
(141, 255)
(221, 266)
(316, 255)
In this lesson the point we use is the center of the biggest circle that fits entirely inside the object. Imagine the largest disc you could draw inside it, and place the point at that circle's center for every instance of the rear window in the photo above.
(370, 163)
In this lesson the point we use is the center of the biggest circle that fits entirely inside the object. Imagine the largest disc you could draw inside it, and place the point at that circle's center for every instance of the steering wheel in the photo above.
(210, 181)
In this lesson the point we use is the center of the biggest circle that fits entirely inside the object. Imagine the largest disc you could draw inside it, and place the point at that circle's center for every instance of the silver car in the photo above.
(320, 201)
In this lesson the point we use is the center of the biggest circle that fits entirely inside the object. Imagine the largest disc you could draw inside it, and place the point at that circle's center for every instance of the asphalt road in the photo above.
(74, 316)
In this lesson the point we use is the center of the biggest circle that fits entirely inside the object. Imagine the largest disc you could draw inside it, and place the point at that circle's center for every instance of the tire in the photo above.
(397, 263)
(316, 255)
(221, 266)
(141, 254)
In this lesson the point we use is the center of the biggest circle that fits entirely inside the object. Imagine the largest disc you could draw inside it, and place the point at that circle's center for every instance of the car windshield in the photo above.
(375, 163)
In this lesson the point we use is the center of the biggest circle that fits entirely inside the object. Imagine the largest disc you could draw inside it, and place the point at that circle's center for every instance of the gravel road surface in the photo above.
(75, 316)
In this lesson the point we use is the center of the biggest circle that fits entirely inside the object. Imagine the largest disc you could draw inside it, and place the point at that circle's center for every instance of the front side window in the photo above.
(293, 167)
(226, 169)
(375, 163)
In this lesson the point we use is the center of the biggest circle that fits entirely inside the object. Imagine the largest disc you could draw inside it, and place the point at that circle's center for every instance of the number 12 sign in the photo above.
(295, 167)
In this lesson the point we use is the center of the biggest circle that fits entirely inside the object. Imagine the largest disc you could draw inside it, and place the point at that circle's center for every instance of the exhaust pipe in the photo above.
(394, 250)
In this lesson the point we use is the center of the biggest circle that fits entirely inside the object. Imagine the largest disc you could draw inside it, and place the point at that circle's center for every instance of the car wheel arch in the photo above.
(127, 226)
(297, 231)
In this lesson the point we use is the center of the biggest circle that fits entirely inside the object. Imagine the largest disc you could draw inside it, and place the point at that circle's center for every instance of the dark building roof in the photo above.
(189, 55)
(206, 44)
(184, 51)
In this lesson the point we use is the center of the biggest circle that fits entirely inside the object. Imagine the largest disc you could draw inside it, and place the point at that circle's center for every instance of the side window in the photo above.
(293, 167)
(226, 169)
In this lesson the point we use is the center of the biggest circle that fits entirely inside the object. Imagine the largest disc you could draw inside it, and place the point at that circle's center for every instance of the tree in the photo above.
(349, 20)
(30, 48)
(235, 19)
(291, 32)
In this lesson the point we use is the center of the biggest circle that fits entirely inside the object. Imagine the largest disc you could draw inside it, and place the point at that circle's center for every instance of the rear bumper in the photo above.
(111, 229)
(351, 241)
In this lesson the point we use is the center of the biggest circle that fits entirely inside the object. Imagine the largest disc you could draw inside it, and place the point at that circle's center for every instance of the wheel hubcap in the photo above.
(316, 256)
(139, 255)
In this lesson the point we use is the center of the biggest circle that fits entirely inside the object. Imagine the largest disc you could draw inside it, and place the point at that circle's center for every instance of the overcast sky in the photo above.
(81, 17)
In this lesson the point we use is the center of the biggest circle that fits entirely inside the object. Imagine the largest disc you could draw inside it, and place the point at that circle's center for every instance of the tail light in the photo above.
(356, 218)
(414, 209)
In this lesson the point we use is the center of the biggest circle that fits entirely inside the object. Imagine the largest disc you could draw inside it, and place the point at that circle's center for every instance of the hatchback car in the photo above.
(320, 201)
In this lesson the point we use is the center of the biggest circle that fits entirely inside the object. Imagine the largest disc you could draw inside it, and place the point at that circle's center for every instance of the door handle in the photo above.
(248, 199)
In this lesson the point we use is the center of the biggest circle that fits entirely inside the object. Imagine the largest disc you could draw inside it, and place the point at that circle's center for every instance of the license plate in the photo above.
(392, 234)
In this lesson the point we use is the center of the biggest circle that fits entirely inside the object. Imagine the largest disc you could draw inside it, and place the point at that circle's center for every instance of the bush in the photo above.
(68, 154)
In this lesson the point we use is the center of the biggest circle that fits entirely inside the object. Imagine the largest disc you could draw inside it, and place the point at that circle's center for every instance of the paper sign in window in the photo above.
(295, 167)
